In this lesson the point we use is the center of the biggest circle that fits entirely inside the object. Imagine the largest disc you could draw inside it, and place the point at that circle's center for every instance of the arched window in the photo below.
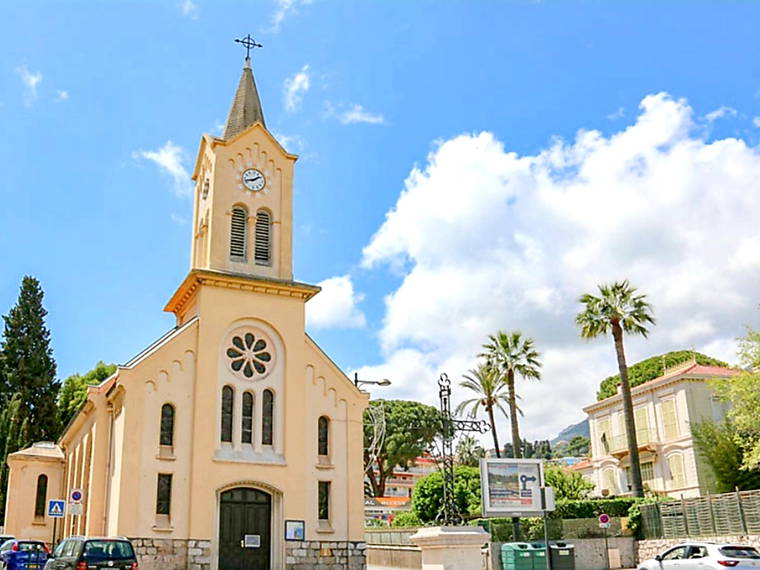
(238, 233)
(267, 417)
(228, 399)
(323, 436)
(263, 253)
(247, 425)
(167, 424)
(41, 497)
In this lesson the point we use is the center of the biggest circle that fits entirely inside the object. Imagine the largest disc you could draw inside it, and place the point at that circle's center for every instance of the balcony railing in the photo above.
(618, 444)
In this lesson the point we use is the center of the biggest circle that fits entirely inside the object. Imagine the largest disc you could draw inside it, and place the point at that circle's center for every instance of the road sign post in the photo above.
(56, 510)
(604, 524)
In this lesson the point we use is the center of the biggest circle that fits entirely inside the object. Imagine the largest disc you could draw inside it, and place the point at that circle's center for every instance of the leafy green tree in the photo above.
(469, 451)
(73, 392)
(402, 443)
(491, 392)
(579, 446)
(749, 348)
(569, 485)
(720, 446)
(27, 378)
(619, 310)
(741, 393)
(427, 498)
(512, 354)
(541, 449)
(652, 367)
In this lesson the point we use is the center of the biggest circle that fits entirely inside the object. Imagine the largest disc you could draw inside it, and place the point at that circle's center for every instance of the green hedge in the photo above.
(590, 508)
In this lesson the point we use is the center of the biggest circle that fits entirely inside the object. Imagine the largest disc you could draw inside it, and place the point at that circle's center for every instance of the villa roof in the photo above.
(688, 371)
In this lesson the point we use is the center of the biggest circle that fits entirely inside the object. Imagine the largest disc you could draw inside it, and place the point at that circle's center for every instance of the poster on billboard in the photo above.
(511, 487)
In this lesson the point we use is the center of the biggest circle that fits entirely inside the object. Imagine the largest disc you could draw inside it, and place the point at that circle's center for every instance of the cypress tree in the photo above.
(28, 388)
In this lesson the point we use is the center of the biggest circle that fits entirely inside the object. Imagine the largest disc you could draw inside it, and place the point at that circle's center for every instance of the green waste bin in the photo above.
(538, 549)
(563, 556)
(516, 556)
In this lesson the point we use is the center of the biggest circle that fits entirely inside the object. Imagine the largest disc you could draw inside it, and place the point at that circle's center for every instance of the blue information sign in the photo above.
(56, 509)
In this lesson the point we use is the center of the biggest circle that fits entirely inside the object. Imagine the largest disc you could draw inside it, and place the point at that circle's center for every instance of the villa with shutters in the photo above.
(233, 441)
(664, 409)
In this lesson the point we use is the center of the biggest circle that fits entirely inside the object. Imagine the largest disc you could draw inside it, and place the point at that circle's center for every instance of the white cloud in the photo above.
(756, 122)
(354, 114)
(488, 239)
(295, 87)
(177, 219)
(617, 114)
(189, 9)
(285, 9)
(291, 143)
(61, 95)
(170, 159)
(336, 306)
(30, 80)
(719, 113)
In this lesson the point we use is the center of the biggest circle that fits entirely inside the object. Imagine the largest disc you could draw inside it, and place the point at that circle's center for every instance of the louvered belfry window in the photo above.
(263, 253)
(238, 233)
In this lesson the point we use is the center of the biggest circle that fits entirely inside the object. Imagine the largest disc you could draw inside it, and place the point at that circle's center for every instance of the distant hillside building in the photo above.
(664, 409)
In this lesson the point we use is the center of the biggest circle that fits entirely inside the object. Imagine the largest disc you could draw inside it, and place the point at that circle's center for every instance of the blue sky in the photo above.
(103, 104)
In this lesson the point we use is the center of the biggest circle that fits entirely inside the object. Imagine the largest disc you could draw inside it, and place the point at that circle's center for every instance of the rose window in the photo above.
(249, 355)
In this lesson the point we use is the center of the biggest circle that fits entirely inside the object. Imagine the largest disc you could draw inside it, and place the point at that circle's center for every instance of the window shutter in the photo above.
(238, 233)
(609, 481)
(675, 462)
(669, 419)
(641, 418)
(604, 434)
(263, 250)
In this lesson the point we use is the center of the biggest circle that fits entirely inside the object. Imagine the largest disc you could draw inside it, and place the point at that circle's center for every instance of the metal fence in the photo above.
(713, 515)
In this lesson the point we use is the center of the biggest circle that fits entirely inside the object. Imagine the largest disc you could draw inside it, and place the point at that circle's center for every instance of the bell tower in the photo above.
(243, 200)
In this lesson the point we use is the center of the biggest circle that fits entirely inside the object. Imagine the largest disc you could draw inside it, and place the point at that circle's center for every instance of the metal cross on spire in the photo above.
(249, 44)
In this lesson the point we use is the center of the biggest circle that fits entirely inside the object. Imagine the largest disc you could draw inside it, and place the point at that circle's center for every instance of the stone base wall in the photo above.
(315, 555)
(172, 554)
(648, 549)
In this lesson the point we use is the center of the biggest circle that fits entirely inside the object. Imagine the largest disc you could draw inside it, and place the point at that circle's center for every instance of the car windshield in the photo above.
(108, 550)
(740, 552)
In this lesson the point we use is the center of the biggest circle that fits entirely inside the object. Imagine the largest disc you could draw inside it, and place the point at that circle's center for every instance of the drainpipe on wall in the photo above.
(107, 498)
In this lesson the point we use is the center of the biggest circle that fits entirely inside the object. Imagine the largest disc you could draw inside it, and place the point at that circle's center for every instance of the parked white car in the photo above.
(704, 556)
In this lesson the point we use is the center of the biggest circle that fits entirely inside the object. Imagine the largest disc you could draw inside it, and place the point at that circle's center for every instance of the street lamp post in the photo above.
(357, 382)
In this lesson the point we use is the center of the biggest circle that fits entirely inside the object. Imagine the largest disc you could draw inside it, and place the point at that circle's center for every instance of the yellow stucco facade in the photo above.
(246, 387)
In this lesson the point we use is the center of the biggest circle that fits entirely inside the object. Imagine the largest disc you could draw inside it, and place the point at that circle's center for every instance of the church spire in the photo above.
(246, 106)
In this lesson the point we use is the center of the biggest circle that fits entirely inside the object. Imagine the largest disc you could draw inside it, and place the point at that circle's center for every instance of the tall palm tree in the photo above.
(511, 354)
(618, 309)
(486, 382)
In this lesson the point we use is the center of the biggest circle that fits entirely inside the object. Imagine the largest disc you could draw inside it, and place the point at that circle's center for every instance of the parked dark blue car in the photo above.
(23, 555)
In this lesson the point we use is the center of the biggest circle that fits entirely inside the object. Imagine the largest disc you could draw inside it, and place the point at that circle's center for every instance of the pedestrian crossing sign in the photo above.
(56, 509)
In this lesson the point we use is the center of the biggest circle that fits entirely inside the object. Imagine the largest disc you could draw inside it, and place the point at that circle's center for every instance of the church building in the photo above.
(233, 441)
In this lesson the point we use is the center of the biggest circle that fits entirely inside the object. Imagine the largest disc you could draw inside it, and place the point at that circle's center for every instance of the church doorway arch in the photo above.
(245, 520)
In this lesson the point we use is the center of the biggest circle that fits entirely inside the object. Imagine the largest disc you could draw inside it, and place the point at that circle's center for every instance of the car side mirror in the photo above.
(658, 558)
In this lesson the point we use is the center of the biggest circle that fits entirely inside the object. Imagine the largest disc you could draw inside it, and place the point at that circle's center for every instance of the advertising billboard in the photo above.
(511, 487)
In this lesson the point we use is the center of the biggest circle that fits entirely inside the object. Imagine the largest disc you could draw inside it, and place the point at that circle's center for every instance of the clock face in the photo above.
(253, 179)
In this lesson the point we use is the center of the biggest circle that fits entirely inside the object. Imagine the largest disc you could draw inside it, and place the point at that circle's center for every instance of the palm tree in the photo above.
(618, 309)
(511, 354)
(469, 451)
(486, 382)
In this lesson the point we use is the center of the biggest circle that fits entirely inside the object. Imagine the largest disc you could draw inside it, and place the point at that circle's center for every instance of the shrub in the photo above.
(590, 508)
(406, 519)
(427, 499)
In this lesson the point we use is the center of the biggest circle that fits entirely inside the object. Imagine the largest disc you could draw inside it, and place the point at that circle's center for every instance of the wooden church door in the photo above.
(245, 521)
